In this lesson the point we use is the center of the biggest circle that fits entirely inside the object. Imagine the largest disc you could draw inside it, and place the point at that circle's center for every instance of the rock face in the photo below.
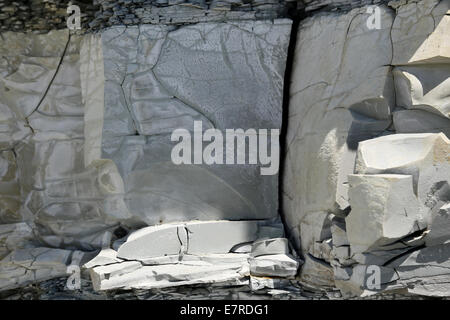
(371, 185)
(88, 136)
(86, 150)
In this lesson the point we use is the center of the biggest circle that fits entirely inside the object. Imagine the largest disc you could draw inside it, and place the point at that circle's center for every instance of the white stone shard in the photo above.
(269, 247)
(149, 277)
(105, 256)
(363, 281)
(425, 156)
(384, 209)
(275, 265)
(31, 265)
(424, 87)
(196, 237)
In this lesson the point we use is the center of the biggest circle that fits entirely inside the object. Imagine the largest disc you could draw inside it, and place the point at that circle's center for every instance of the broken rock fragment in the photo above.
(276, 265)
(384, 209)
(425, 156)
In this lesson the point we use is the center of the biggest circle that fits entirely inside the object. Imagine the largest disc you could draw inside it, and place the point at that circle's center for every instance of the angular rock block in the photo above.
(275, 265)
(363, 280)
(425, 156)
(31, 265)
(188, 238)
(339, 97)
(131, 275)
(424, 87)
(9, 189)
(384, 209)
(270, 247)
(160, 78)
(419, 121)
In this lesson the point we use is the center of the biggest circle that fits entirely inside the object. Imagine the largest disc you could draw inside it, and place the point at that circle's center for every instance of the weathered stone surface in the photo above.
(424, 156)
(384, 209)
(419, 121)
(276, 265)
(339, 96)
(420, 32)
(188, 238)
(25, 266)
(424, 271)
(160, 85)
(424, 87)
(270, 246)
(131, 274)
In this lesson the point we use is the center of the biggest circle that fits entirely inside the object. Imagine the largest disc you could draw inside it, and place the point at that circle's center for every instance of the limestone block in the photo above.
(150, 277)
(30, 265)
(425, 156)
(188, 238)
(274, 265)
(158, 78)
(384, 209)
(420, 33)
(424, 87)
(418, 121)
(270, 247)
(341, 94)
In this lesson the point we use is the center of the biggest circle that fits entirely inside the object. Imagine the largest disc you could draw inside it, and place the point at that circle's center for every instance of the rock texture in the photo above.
(367, 159)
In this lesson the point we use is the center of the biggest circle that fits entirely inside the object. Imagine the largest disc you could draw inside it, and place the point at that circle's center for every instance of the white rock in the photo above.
(424, 87)
(276, 265)
(150, 277)
(341, 94)
(196, 237)
(270, 246)
(420, 33)
(424, 156)
(384, 209)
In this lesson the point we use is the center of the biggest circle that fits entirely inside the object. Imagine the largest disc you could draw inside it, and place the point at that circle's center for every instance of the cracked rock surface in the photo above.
(366, 190)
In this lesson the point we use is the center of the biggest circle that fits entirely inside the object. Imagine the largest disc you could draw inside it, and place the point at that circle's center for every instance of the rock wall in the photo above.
(367, 158)
(86, 174)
